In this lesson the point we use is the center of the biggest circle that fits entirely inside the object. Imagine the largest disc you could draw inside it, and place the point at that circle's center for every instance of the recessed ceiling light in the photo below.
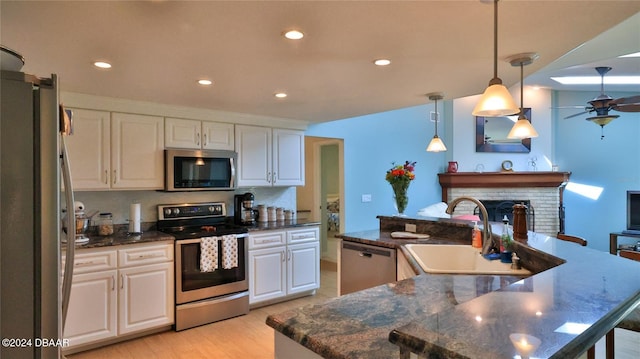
(205, 82)
(102, 64)
(382, 62)
(596, 80)
(293, 34)
(280, 95)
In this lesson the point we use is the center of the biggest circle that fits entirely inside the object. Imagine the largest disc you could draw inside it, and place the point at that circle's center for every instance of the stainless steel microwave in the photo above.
(198, 170)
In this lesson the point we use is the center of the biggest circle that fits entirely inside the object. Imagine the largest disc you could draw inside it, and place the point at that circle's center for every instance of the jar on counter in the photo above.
(280, 214)
(105, 224)
(271, 212)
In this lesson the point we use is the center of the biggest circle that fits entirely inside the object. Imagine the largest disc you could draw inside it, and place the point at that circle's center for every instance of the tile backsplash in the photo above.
(117, 202)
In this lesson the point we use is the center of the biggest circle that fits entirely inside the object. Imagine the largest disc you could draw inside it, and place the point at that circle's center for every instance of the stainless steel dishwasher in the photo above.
(364, 266)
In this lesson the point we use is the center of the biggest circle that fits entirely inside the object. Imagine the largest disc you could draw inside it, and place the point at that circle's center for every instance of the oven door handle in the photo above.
(198, 240)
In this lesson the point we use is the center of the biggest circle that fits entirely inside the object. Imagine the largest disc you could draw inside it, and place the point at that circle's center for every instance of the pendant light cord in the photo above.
(495, 39)
(436, 117)
(522, 88)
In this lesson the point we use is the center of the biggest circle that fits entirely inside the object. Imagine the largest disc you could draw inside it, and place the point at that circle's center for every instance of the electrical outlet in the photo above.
(366, 198)
(408, 227)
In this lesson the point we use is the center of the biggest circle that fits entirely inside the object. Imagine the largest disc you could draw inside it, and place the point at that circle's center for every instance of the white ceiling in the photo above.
(159, 49)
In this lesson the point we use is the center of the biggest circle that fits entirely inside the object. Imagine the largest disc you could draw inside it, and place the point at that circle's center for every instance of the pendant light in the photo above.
(496, 101)
(436, 144)
(522, 128)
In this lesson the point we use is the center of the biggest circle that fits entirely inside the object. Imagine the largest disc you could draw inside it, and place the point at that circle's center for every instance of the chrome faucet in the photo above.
(487, 236)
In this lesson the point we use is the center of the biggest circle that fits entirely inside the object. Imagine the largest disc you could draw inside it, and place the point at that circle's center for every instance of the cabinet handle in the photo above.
(115, 176)
(264, 241)
(145, 256)
(289, 254)
(106, 176)
(282, 255)
(121, 281)
(274, 178)
(80, 264)
(268, 177)
(113, 283)
(204, 140)
(198, 139)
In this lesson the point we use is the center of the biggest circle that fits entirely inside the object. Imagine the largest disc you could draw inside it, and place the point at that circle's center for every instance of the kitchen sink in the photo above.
(459, 259)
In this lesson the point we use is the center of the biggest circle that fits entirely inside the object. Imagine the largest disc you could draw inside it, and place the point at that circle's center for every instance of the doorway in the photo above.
(323, 193)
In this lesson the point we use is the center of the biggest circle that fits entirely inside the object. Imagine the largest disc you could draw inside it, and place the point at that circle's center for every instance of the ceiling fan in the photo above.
(604, 103)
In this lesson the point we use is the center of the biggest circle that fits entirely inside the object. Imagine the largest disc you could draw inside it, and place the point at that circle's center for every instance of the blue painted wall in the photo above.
(371, 144)
(612, 163)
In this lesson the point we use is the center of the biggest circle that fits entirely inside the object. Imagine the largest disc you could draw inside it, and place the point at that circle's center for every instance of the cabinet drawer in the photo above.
(93, 260)
(145, 254)
(267, 239)
(303, 235)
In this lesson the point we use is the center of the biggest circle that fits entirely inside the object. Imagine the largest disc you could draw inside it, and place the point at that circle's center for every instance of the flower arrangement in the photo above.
(400, 177)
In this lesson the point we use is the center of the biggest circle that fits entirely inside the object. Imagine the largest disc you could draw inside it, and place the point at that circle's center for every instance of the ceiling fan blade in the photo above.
(634, 107)
(626, 100)
(577, 114)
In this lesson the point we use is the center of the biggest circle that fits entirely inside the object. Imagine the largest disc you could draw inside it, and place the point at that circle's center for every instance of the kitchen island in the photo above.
(568, 306)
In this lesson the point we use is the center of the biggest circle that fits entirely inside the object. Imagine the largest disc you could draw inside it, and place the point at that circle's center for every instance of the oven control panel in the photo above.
(191, 210)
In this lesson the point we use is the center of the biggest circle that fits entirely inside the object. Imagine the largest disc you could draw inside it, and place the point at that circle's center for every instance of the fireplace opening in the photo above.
(497, 209)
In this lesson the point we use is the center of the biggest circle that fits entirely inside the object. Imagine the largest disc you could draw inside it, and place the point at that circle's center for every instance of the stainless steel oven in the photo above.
(204, 297)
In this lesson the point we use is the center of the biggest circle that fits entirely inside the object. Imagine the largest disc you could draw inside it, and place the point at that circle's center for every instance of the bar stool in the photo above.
(631, 321)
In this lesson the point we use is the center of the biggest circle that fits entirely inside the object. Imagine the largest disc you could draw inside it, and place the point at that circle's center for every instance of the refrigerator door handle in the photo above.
(71, 233)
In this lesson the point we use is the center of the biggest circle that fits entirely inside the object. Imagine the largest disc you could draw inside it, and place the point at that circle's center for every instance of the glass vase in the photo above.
(400, 199)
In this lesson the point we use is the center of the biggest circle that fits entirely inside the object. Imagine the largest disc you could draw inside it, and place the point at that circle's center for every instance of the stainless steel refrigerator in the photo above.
(32, 162)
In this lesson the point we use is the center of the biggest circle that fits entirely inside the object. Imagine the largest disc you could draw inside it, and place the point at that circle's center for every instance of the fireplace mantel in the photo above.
(501, 180)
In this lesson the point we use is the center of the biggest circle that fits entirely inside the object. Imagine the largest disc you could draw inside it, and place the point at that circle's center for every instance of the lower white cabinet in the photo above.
(116, 292)
(283, 263)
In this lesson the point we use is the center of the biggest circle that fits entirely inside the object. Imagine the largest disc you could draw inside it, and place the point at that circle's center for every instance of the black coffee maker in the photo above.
(243, 209)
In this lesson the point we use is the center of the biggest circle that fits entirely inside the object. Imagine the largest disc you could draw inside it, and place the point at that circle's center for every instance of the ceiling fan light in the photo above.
(602, 120)
(436, 145)
(496, 101)
(522, 129)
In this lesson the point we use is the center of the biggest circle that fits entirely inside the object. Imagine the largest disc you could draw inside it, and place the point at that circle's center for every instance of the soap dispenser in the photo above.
(476, 236)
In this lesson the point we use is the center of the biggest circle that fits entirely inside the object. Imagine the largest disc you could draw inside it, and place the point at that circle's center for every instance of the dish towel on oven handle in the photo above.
(229, 251)
(209, 254)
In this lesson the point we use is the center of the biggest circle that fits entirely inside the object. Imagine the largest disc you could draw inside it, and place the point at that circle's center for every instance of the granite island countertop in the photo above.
(470, 316)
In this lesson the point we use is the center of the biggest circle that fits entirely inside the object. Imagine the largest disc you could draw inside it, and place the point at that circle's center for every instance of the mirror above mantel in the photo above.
(491, 134)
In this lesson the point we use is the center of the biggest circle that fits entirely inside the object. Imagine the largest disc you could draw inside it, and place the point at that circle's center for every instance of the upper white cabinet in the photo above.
(116, 151)
(194, 134)
(269, 157)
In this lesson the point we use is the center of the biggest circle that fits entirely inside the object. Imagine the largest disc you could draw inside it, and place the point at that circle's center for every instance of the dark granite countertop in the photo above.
(121, 237)
(463, 316)
(266, 226)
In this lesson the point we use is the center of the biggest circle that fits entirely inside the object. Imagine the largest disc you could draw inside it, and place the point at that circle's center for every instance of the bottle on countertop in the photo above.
(505, 239)
(476, 236)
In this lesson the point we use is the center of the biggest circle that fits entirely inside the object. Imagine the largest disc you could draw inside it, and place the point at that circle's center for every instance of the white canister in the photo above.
(262, 213)
(271, 212)
(280, 214)
(288, 215)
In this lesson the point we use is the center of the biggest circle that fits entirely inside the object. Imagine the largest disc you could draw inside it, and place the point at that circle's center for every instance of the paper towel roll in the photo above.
(134, 218)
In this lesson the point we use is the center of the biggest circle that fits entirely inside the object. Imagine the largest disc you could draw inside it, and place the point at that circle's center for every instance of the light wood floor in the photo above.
(249, 337)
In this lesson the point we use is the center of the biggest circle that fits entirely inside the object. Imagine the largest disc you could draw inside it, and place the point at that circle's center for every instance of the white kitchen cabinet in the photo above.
(269, 157)
(118, 292)
(89, 150)
(92, 314)
(283, 263)
(194, 134)
(116, 151)
(302, 273)
(145, 297)
(137, 151)
(268, 274)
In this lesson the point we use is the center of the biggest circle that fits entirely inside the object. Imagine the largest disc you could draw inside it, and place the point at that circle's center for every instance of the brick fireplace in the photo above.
(542, 189)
